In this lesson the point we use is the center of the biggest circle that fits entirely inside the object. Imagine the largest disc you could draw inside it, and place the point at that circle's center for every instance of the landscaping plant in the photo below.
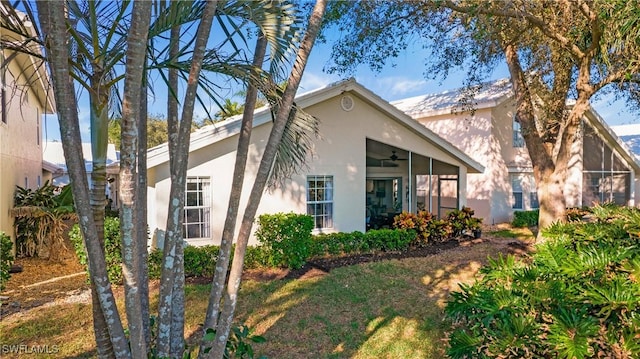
(578, 296)
(6, 259)
(112, 248)
(287, 238)
(525, 218)
(40, 219)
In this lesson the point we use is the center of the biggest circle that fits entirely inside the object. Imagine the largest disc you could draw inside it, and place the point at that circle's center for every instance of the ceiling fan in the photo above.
(394, 157)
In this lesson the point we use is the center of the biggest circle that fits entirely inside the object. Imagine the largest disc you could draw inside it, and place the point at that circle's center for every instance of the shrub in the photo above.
(462, 221)
(525, 218)
(419, 223)
(440, 230)
(576, 297)
(200, 261)
(112, 248)
(155, 263)
(389, 239)
(286, 237)
(40, 220)
(6, 259)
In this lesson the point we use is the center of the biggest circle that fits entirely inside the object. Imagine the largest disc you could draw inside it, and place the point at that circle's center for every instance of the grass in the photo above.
(388, 309)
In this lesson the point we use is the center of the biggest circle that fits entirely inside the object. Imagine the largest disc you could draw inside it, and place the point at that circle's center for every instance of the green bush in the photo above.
(6, 259)
(155, 263)
(462, 221)
(417, 222)
(200, 261)
(578, 296)
(525, 218)
(112, 248)
(389, 239)
(286, 237)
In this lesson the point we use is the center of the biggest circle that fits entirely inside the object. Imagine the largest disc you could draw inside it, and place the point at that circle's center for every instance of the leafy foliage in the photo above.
(577, 297)
(525, 218)
(286, 237)
(40, 219)
(429, 228)
(239, 344)
(6, 258)
(112, 248)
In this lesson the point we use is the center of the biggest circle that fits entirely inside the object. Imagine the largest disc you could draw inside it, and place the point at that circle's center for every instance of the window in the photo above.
(3, 103)
(533, 193)
(3, 91)
(516, 190)
(518, 140)
(38, 127)
(197, 208)
(523, 190)
(320, 200)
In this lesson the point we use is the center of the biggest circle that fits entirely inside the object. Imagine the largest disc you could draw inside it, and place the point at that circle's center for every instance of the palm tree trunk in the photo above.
(132, 257)
(99, 116)
(244, 139)
(171, 306)
(140, 216)
(53, 21)
(230, 299)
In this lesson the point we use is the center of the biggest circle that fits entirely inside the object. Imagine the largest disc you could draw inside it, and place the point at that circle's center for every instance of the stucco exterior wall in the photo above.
(20, 144)
(340, 152)
(476, 136)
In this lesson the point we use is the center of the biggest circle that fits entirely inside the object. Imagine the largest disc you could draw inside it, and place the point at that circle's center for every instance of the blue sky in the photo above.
(402, 77)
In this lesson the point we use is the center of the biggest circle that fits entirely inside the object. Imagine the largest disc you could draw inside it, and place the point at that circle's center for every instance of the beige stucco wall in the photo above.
(481, 136)
(340, 152)
(20, 150)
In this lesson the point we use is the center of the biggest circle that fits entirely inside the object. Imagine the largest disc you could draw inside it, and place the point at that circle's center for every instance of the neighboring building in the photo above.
(25, 95)
(52, 152)
(630, 135)
(602, 168)
(363, 169)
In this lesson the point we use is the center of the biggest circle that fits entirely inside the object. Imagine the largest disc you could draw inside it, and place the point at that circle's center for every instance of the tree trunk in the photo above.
(53, 21)
(244, 139)
(140, 215)
(99, 100)
(171, 307)
(132, 252)
(230, 298)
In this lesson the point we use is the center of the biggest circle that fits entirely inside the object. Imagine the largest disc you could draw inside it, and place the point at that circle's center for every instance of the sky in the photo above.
(402, 77)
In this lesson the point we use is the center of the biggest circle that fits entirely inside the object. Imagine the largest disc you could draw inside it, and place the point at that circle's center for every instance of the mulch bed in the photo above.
(322, 266)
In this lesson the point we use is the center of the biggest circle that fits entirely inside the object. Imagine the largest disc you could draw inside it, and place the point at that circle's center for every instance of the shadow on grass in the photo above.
(391, 309)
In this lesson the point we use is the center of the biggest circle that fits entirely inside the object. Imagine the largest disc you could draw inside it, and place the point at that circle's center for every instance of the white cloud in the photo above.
(311, 81)
(393, 86)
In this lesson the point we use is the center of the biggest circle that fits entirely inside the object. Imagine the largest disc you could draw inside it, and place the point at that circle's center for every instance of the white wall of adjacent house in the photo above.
(20, 144)
(337, 168)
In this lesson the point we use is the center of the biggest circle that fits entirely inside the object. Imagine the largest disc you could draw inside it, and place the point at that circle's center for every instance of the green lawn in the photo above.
(388, 309)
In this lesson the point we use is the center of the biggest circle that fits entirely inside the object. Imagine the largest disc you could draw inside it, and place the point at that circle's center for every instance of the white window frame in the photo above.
(197, 208)
(518, 140)
(320, 200)
(516, 181)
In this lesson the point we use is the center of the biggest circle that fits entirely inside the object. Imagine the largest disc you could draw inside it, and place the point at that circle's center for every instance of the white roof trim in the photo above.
(225, 129)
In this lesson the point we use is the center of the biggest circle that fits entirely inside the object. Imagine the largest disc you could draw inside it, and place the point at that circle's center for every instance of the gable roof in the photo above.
(213, 133)
(53, 153)
(491, 95)
(459, 100)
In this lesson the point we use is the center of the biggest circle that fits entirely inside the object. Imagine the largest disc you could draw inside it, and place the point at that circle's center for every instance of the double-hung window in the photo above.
(516, 190)
(320, 200)
(197, 208)
(518, 140)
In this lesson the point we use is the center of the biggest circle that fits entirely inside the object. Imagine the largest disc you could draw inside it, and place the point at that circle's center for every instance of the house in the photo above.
(363, 169)
(602, 168)
(630, 135)
(53, 153)
(25, 96)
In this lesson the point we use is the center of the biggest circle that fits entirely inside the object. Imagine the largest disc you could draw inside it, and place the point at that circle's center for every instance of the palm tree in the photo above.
(98, 47)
